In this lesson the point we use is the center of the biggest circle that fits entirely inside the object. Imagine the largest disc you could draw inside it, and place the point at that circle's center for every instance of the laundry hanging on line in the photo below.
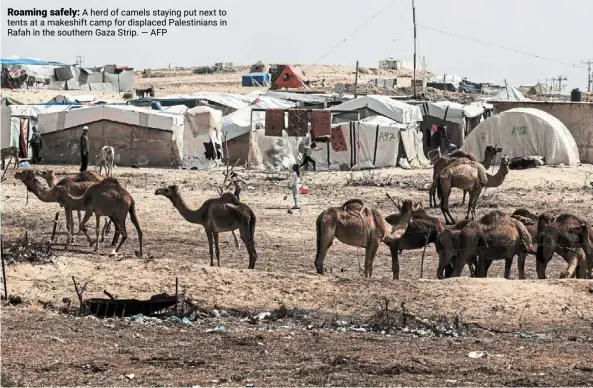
(274, 122)
(298, 122)
(321, 123)
(338, 140)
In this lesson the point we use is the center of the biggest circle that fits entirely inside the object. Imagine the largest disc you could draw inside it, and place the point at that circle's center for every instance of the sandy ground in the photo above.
(42, 347)
(181, 81)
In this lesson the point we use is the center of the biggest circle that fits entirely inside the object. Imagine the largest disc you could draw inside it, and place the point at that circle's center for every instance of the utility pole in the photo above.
(589, 74)
(356, 81)
(80, 60)
(414, 21)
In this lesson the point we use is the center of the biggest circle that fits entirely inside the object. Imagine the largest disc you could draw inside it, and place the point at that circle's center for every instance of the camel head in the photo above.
(48, 175)
(504, 161)
(493, 150)
(168, 191)
(583, 233)
(28, 178)
(408, 205)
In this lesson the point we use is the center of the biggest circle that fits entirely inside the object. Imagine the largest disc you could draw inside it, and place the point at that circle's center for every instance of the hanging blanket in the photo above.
(298, 122)
(338, 141)
(321, 123)
(274, 122)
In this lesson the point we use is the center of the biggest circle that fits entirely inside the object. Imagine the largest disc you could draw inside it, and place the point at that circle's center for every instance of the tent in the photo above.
(5, 125)
(525, 132)
(509, 93)
(375, 141)
(292, 77)
(139, 136)
(256, 79)
(445, 82)
(202, 137)
(372, 105)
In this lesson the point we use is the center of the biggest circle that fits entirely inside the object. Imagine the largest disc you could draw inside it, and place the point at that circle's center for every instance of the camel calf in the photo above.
(105, 160)
(13, 153)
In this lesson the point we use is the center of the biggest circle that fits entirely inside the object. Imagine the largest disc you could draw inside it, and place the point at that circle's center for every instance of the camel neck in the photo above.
(42, 193)
(190, 215)
(398, 230)
(487, 163)
(497, 179)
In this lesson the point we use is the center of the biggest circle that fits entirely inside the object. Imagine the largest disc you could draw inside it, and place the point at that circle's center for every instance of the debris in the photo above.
(264, 315)
(218, 329)
(451, 381)
(478, 354)
(58, 339)
(130, 376)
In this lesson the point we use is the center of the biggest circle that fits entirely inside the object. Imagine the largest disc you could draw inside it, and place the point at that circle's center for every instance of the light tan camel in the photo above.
(446, 160)
(495, 236)
(470, 176)
(13, 153)
(106, 199)
(218, 215)
(557, 238)
(585, 234)
(358, 225)
(73, 182)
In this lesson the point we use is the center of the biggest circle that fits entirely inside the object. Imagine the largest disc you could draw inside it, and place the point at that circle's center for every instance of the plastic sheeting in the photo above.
(5, 125)
(398, 111)
(509, 93)
(202, 125)
(450, 111)
(525, 132)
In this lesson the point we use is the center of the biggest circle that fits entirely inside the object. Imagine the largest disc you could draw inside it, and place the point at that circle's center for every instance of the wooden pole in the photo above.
(414, 21)
(3, 269)
(356, 81)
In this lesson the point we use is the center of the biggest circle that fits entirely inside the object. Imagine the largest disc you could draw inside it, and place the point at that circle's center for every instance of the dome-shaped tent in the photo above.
(525, 132)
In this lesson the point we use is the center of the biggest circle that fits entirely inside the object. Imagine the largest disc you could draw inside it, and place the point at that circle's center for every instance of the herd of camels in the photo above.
(495, 236)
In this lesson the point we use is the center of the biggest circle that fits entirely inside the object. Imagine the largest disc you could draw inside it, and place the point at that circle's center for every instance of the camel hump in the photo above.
(524, 213)
(493, 217)
(524, 235)
(462, 154)
(353, 204)
(229, 198)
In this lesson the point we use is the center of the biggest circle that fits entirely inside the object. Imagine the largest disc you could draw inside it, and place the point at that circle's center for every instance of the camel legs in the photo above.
(463, 200)
(97, 231)
(210, 247)
(325, 239)
(370, 253)
(472, 204)
(120, 225)
(250, 245)
(432, 195)
(53, 233)
(449, 220)
(575, 259)
(521, 265)
(395, 262)
(216, 248)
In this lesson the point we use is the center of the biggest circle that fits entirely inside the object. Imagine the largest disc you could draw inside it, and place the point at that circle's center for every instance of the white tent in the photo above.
(509, 93)
(454, 80)
(525, 132)
(373, 142)
(396, 110)
(202, 125)
(450, 111)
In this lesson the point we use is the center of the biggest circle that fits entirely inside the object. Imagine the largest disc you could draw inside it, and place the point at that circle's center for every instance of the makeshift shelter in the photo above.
(82, 99)
(372, 105)
(6, 127)
(291, 77)
(525, 132)
(446, 82)
(375, 141)
(139, 136)
(256, 79)
(202, 142)
(509, 93)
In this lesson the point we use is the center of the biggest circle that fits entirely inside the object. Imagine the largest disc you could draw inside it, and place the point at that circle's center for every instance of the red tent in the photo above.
(291, 78)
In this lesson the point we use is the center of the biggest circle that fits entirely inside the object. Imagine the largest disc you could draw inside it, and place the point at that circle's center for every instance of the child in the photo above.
(237, 183)
(308, 153)
(294, 183)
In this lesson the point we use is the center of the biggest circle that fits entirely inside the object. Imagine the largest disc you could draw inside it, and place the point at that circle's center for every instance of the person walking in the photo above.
(308, 153)
(36, 145)
(84, 149)
(294, 183)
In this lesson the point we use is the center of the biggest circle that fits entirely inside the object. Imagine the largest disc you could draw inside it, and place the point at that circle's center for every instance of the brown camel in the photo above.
(470, 176)
(557, 238)
(73, 182)
(585, 233)
(359, 225)
(495, 236)
(532, 221)
(218, 215)
(450, 158)
(13, 153)
(106, 199)
(447, 247)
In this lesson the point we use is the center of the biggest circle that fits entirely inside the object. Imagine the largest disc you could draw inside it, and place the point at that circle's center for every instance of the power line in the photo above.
(502, 47)
(589, 74)
(352, 33)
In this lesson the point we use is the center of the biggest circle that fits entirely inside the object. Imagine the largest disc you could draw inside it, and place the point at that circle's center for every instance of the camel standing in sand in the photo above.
(106, 199)
(447, 247)
(495, 236)
(450, 158)
(585, 233)
(218, 215)
(470, 176)
(358, 225)
(13, 153)
(557, 238)
(77, 184)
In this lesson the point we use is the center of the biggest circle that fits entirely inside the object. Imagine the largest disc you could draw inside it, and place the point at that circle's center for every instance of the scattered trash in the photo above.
(130, 376)
(526, 335)
(478, 354)
(359, 329)
(58, 339)
(451, 381)
(218, 329)
(264, 315)
(477, 317)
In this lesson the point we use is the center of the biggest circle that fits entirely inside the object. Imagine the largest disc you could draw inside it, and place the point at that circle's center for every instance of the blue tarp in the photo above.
(148, 101)
(256, 79)
(27, 61)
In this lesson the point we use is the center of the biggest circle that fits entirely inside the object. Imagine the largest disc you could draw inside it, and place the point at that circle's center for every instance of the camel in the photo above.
(109, 199)
(77, 184)
(533, 222)
(494, 236)
(13, 153)
(359, 225)
(450, 158)
(585, 233)
(447, 247)
(557, 238)
(470, 176)
(218, 215)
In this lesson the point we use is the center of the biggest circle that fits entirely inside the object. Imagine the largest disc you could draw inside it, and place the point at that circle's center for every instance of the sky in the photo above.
(341, 32)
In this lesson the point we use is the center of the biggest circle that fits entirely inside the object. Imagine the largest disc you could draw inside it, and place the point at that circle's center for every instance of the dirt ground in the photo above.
(534, 332)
